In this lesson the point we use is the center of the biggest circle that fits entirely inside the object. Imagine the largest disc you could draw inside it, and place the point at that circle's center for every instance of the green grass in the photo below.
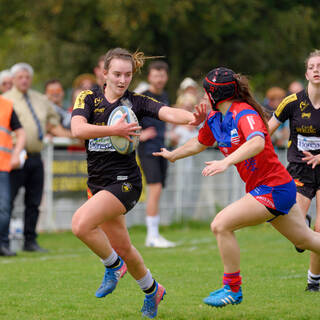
(61, 284)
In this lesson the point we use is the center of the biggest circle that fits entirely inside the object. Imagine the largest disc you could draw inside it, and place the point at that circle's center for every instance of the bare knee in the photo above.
(303, 242)
(79, 227)
(217, 227)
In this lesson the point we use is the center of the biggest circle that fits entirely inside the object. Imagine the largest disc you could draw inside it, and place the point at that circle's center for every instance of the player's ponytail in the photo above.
(137, 58)
(244, 94)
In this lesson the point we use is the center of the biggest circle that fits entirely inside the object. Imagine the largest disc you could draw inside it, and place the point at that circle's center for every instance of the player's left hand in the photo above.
(214, 167)
(311, 159)
(165, 154)
(199, 115)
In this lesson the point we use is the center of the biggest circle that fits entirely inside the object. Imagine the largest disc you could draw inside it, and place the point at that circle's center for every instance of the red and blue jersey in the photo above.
(238, 125)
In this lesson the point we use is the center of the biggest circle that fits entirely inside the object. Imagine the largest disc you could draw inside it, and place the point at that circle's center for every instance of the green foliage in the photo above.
(267, 40)
(61, 284)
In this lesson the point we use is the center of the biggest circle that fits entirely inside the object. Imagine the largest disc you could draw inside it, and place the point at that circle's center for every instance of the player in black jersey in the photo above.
(303, 111)
(114, 179)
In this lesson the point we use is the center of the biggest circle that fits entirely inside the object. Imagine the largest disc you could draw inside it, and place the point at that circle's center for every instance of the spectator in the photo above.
(151, 140)
(55, 93)
(274, 96)
(142, 87)
(84, 81)
(295, 87)
(37, 117)
(188, 85)
(9, 159)
(5, 81)
(98, 71)
(182, 133)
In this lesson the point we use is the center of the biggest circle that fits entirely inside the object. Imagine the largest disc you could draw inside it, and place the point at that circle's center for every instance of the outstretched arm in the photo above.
(193, 146)
(180, 116)
(273, 125)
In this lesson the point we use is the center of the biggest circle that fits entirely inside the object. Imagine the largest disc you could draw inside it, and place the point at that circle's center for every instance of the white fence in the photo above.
(188, 195)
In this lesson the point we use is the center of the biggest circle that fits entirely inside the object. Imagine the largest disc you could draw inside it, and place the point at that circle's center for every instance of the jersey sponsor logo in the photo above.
(97, 101)
(308, 143)
(126, 187)
(100, 144)
(235, 139)
(121, 178)
(99, 110)
(306, 115)
(79, 104)
(306, 129)
(251, 122)
(303, 105)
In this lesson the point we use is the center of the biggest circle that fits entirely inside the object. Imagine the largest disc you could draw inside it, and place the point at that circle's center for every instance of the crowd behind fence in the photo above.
(187, 195)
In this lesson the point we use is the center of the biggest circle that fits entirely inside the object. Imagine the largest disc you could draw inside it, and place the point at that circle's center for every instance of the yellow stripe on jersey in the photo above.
(79, 104)
(142, 95)
(285, 102)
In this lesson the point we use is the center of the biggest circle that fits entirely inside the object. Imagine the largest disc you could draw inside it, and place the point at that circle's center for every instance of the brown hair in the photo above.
(158, 65)
(315, 53)
(243, 93)
(137, 59)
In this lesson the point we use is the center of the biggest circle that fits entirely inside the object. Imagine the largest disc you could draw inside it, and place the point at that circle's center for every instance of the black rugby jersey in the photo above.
(105, 165)
(304, 122)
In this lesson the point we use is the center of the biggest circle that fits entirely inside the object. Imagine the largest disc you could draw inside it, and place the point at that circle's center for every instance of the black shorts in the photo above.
(127, 192)
(307, 179)
(154, 168)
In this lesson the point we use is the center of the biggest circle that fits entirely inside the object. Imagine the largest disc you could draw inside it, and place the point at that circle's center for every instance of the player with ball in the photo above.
(114, 179)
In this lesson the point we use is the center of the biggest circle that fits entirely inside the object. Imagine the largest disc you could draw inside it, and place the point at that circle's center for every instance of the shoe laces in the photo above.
(110, 275)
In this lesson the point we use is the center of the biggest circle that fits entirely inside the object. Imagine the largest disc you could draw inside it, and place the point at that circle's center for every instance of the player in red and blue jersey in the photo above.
(238, 126)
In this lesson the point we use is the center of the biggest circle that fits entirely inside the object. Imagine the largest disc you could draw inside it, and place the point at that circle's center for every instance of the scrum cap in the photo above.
(220, 85)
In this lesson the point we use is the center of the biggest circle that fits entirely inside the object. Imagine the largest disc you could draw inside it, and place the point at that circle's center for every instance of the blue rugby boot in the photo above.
(151, 302)
(222, 297)
(110, 279)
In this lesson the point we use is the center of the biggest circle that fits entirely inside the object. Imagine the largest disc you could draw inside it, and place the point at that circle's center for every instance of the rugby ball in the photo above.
(121, 144)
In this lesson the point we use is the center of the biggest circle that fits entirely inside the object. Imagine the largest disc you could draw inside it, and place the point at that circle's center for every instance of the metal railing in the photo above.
(187, 195)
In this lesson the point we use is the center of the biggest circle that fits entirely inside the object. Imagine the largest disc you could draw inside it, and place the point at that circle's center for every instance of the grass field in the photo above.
(61, 284)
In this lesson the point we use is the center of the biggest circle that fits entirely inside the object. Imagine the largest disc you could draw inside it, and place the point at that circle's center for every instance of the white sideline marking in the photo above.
(42, 258)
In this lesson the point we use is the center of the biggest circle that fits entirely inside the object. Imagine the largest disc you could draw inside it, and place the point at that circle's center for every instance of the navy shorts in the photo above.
(127, 192)
(307, 179)
(154, 168)
(279, 199)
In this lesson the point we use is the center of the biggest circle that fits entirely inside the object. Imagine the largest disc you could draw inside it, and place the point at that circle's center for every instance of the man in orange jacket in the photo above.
(9, 159)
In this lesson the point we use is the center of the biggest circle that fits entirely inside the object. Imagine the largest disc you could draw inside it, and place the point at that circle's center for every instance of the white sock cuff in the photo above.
(154, 220)
(146, 281)
(111, 259)
(313, 278)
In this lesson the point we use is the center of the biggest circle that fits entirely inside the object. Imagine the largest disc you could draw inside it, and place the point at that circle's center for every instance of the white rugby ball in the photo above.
(121, 144)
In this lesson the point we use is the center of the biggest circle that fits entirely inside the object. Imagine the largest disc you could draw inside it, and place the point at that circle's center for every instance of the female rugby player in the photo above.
(303, 111)
(238, 126)
(114, 180)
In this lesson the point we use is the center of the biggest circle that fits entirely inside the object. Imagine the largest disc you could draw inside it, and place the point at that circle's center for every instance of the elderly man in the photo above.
(5, 81)
(37, 117)
(9, 159)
